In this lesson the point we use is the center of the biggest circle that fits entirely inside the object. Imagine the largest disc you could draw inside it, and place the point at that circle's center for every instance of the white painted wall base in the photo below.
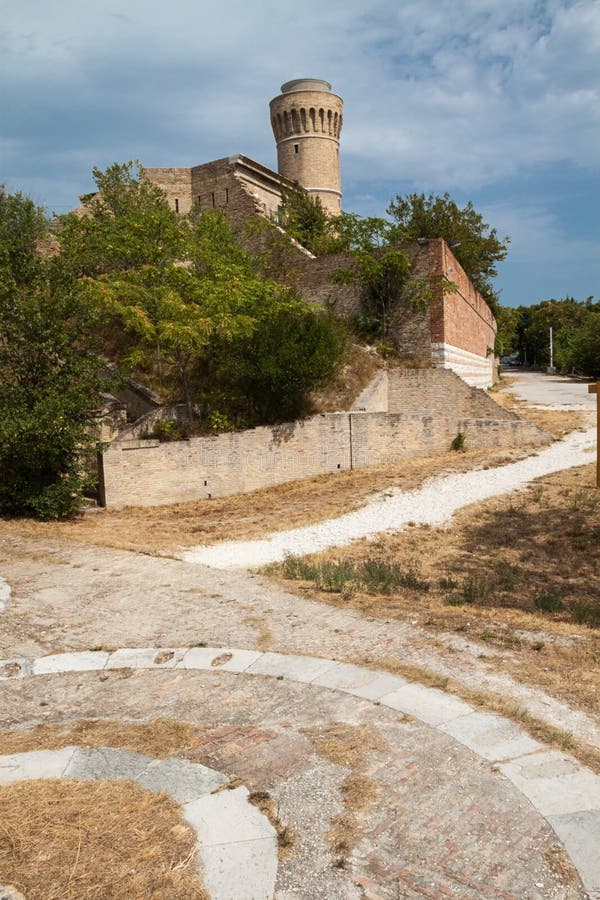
(477, 371)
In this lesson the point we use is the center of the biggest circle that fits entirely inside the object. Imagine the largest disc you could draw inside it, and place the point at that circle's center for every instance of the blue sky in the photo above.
(494, 101)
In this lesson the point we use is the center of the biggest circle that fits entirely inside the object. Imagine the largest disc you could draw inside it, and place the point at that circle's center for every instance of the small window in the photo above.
(176, 205)
(199, 200)
(295, 148)
(226, 196)
(212, 197)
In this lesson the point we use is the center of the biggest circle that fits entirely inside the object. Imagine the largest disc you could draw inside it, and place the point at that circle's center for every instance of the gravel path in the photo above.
(4, 593)
(435, 502)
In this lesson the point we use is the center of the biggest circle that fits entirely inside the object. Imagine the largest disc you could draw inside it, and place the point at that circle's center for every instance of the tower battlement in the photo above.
(306, 118)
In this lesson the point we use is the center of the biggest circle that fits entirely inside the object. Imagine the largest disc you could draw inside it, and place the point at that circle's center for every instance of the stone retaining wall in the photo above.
(147, 473)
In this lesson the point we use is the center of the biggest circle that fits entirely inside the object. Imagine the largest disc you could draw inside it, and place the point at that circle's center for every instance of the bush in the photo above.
(549, 601)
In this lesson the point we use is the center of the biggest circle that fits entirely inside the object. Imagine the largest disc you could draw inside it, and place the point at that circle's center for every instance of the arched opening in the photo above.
(295, 123)
(303, 119)
(329, 120)
(322, 119)
(312, 119)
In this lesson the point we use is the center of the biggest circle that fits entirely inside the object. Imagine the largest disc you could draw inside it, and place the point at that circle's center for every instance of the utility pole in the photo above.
(595, 389)
(551, 366)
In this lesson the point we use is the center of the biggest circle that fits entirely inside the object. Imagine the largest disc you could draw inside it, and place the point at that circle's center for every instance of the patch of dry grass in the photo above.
(341, 392)
(65, 838)
(159, 738)
(285, 833)
(520, 574)
(349, 746)
(161, 529)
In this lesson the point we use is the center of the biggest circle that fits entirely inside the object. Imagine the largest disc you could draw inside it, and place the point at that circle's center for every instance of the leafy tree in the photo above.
(22, 224)
(507, 319)
(477, 247)
(266, 379)
(126, 224)
(49, 383)
(533, 330)
(582, 347)
(191, 300)
(304, 219)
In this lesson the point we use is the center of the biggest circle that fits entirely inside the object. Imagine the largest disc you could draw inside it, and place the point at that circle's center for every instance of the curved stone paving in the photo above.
(563, 791)
(233, 834)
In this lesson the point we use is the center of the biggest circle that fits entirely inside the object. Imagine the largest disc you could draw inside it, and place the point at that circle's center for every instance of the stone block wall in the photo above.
(438, 392)
(147, 473)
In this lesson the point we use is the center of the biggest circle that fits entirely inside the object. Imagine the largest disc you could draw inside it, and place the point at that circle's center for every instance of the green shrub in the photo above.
(586, 612)
(549, 601)
(167, 430)
(458, 444)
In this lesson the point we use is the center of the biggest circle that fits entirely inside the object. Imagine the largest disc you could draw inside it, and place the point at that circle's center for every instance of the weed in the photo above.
(333, 577)
(586, 613)
(454, 600)
(448, 584)
(476, 589)
(508, 576)
(539, 645)
(458, 443)
(296, 568)
(549, 601)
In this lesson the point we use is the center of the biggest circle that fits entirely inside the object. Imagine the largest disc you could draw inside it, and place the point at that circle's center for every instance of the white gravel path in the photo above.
(4, 593)
(435, 502)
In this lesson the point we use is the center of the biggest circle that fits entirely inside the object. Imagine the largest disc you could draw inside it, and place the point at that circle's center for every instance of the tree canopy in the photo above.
(185, 292)
(50, 379)
(576, 334)
(476, 246)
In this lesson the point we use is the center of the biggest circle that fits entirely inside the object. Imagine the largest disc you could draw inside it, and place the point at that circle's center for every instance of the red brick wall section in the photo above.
(459, 317)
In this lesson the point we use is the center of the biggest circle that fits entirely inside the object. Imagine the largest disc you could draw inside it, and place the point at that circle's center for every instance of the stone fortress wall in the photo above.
(401, 415)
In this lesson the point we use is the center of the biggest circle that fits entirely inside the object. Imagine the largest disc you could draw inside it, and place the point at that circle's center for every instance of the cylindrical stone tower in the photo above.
(307, 121)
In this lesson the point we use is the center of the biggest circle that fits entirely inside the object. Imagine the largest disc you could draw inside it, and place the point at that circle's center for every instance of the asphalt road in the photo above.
(550, 390)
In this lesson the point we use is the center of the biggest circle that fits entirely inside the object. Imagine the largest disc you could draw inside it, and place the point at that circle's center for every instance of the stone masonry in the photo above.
(406, 416)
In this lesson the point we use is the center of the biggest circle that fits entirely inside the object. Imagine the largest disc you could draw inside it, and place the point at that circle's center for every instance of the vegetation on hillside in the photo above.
(176, 300)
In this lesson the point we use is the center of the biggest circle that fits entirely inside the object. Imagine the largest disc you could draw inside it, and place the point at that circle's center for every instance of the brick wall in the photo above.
(146, 473)
(463, 329)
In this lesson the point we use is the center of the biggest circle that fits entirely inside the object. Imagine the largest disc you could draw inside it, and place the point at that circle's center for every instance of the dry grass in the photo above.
(64, 838)
(349, 746)
(520, 574)
(346, 745)
(285, 833)
(361, 365)
(159, 738)
(162, 529)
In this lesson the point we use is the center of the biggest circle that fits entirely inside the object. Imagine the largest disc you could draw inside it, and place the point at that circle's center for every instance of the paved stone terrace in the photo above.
(467, 806)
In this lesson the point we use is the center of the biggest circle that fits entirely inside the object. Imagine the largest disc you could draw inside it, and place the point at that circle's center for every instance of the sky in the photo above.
(492, 101)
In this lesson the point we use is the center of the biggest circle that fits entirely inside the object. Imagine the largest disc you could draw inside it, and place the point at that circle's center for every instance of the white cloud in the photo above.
(447, 94)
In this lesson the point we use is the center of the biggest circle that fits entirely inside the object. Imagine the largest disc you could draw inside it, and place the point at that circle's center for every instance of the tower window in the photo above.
(295, 148)
(212, 198)
(176, 205)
